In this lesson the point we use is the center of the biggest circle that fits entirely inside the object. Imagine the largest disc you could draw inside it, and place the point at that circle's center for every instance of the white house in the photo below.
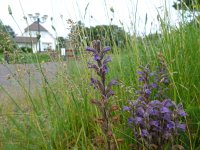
(30, 38)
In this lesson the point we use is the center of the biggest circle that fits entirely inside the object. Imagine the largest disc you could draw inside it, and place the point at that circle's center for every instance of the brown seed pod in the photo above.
(110, 134)
(99, 140)
(116, 118)
(153, 146)
(114, 108)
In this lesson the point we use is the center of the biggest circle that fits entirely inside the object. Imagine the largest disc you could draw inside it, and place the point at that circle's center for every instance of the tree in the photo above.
(6, 41)
(10, 31)
(60, 42)
(108, 34)
(187, 4)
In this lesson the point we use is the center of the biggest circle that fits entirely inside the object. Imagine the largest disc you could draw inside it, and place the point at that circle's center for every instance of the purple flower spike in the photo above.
(137, 120)
(181, 112)
(112, 82)
(126, 108)
(167, 103)
(130, 120)
(106, 60)
(148, 91)
(93, 81)
(167, 116)
(171, 125)
(145, 133)
(154, 123)
(96, 57)
(165, 110)
(140, 72)
(110, 93)
(107, 48)
(140, 111)
(158, 121)
(154, 103)
(90, 65)
(90, 49)
(153, 85)
(181, 126)
(105, 69)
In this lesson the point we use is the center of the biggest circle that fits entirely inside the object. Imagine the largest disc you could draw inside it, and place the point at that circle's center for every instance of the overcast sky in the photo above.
(61, 10)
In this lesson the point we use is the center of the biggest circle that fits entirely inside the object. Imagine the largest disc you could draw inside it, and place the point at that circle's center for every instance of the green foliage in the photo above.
(26, 49)
(6, 41)
(61, 43)
(9, 30)
(109, 34)
(193, 5)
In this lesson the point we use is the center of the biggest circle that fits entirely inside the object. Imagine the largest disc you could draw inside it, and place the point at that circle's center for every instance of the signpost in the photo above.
(63, 53)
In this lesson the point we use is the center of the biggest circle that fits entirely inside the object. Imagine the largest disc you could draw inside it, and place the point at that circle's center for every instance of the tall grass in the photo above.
(59, 114)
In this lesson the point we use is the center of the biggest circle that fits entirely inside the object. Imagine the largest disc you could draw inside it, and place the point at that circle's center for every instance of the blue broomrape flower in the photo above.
(181, 126)
(171, 125)
(96, 57)
(90, 49)
(126, 108)
(105, 49)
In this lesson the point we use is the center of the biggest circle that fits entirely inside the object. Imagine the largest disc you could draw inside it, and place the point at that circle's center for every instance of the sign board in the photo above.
(62, 51)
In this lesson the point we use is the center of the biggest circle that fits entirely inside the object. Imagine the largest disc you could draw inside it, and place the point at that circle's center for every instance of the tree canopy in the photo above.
(108, 34)
(6, 35)
(187, 4)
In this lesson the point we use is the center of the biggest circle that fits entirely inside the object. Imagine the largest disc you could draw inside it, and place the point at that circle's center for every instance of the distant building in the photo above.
(29, 38)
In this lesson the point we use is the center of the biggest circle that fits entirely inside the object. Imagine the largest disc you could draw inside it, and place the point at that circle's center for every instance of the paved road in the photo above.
(29, 76)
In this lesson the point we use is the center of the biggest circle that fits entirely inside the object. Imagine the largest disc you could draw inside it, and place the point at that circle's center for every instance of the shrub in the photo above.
(26, 49)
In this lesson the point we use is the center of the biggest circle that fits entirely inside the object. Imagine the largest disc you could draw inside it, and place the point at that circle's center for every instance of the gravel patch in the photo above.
(14, 78)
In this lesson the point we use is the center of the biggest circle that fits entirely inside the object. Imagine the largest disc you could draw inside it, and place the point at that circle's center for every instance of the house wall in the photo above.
(34, 46)
(47, 41)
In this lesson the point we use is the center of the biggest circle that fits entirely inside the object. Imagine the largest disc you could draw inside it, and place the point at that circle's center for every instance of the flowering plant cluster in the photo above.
(100, 67)
(154, 118)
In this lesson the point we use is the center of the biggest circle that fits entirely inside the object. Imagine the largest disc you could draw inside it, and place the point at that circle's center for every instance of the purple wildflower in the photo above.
(105, 49)
(137, 120)
(93, 66)
(126, 108)
(145, 133)
(171, 125)
(96, 57)
(153, 85)
(100, 66)
(130, 120)
(112, 82)
(105, 69)
(181, 126)
(167, 103)
(155, 121)
(90, 49)
(181, 112)
(93, 81)
(140, 72)
(167, 116)
(140, 111)
(148, 92)
(107, 59)
(164, 110)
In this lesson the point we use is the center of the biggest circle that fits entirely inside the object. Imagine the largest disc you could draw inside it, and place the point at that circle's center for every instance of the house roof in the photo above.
(22, 39)
(34, 27)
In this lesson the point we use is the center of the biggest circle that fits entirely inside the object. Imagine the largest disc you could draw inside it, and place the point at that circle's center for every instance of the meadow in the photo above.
(61, 116)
